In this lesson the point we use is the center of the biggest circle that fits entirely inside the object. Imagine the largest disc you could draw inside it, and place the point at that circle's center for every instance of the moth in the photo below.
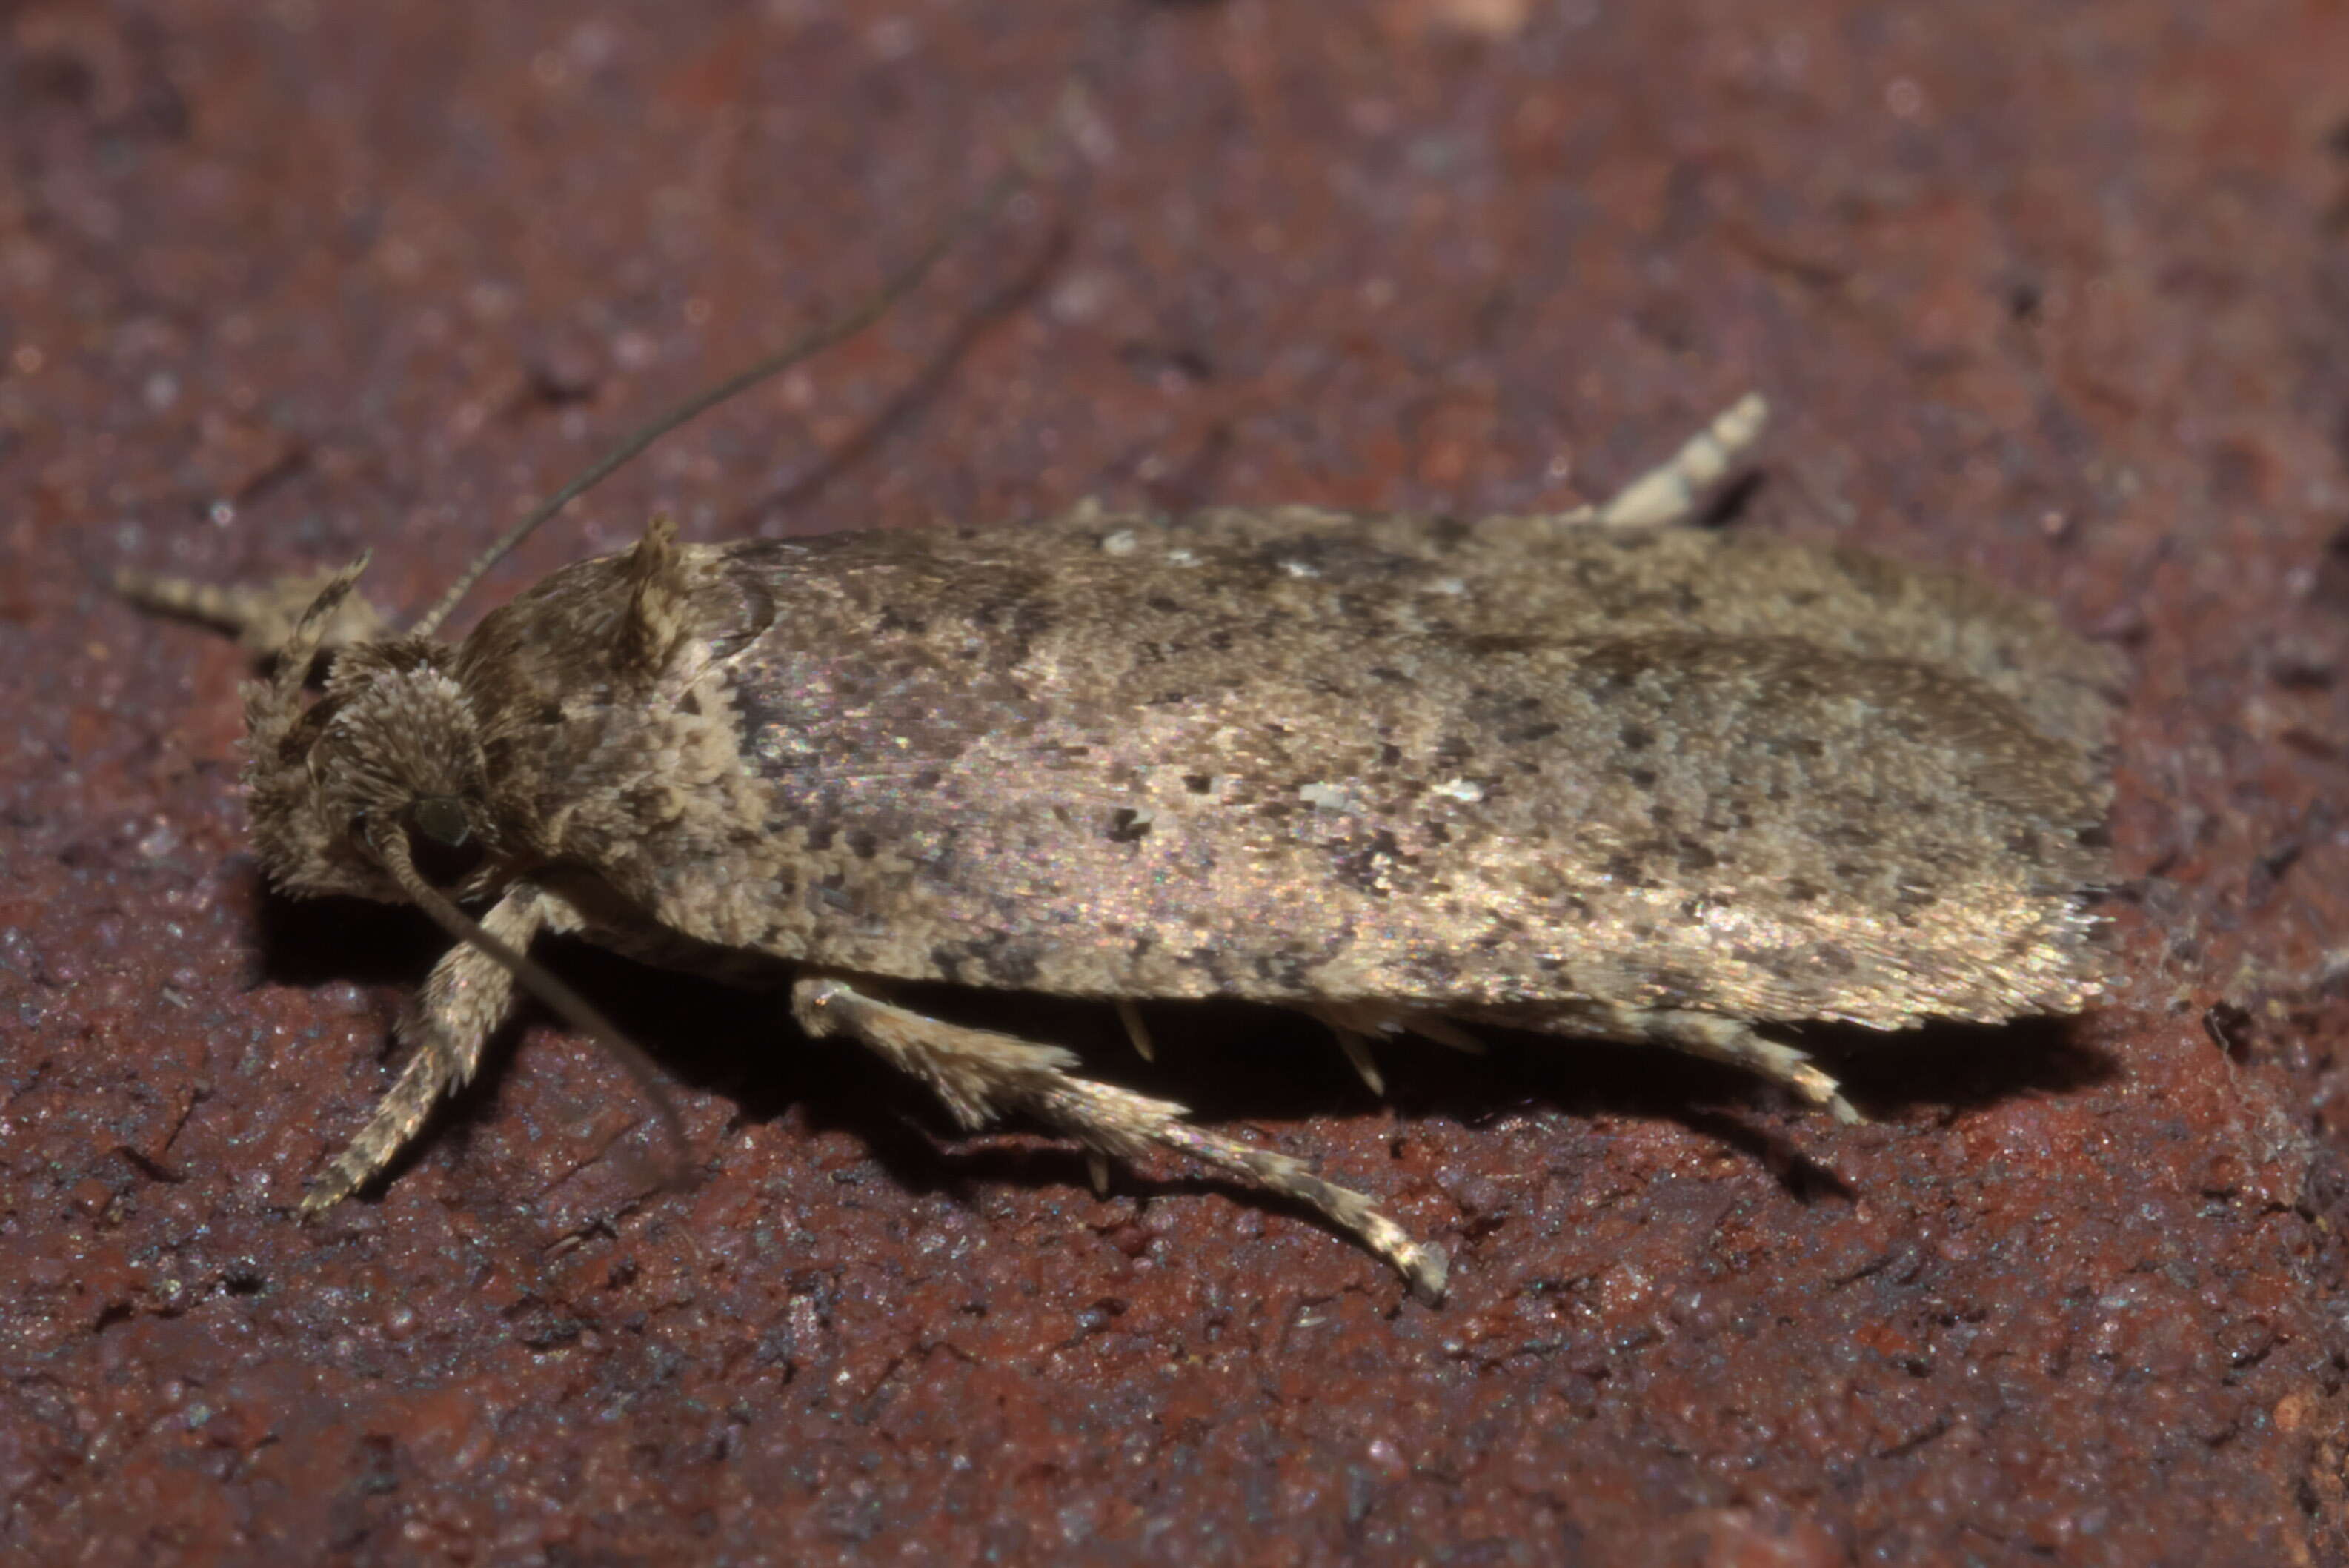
(1589, 775)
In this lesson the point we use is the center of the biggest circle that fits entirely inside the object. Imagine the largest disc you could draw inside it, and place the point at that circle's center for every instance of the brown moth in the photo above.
(1586, 774)
(1583, 774)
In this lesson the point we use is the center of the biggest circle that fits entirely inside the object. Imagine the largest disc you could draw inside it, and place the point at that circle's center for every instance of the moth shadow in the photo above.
(1230, 1063)
(1943, 1068)
(1960, 1067)
(314, 942)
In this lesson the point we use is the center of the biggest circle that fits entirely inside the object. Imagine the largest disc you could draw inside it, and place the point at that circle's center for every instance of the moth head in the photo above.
(380, 789)
(382, 775)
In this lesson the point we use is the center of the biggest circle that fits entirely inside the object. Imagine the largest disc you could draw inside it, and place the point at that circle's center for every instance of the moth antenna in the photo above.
(391, 849)
(260, 615)
(894, 287)
(301, 647)
(176, 597)
(271, 704)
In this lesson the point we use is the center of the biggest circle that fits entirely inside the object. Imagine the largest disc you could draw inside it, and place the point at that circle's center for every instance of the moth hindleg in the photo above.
(981, 1075)
(1668, 492)
(1716, 1039)
(466, 998)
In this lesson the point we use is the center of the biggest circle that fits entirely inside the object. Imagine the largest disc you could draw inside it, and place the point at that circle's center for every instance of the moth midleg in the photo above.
(465, 1000)
(981, 1075)
(1670, 491)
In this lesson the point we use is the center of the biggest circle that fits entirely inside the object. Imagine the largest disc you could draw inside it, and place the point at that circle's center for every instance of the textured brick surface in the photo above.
(2060, 294)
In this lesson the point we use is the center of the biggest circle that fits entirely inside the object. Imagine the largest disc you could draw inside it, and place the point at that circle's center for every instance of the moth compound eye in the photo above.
(442, 819)
(445, 847)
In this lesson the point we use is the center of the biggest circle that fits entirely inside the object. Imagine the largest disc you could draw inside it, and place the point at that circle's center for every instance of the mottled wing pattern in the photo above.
(1277, 756)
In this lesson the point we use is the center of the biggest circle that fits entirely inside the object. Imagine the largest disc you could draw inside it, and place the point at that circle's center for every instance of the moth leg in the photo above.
(260, 616)
(465, 1000)
(1357, 1025)
(1720, 1039)
(1377, 1018)
(1443, 1031)
(1357, 1047)
(1353, 1025)
(981, 1075)
(1668, 492)
(1136, 1031)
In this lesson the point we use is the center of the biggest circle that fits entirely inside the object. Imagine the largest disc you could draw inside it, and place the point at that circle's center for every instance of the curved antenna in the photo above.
(898, 284)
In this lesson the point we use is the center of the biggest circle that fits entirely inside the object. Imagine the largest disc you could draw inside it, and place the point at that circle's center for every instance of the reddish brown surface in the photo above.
(2066, 301)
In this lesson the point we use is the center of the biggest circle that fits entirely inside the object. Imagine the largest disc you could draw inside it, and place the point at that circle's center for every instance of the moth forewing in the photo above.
(1000, 761)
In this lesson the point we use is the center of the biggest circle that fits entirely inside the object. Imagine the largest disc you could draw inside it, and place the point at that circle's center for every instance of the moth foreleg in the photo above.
(1668, 492)
(466, 998)
(981, 1075)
